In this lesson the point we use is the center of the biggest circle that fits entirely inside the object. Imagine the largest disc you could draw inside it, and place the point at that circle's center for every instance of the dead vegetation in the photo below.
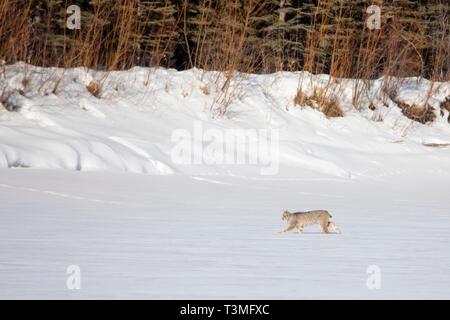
(420, 113)
(423, 114)
(94, 87)
(326, 36)
(445, 105)
(436, 145)
(205, 90)
(320, 100)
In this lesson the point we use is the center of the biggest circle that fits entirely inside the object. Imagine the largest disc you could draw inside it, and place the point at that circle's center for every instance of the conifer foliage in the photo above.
(262, 36)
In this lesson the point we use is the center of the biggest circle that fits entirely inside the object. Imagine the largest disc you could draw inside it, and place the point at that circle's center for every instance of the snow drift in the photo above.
(53, 118)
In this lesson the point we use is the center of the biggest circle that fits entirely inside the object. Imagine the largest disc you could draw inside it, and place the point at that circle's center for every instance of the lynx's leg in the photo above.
(301, 228)
(288, 229)
(325, 227)
(334, 226)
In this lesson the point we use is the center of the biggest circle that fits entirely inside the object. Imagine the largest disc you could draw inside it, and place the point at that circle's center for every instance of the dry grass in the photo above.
(301, 99)
(320, 100)
(445, 105)
(420, 113)
(94, 87)
(423, 114)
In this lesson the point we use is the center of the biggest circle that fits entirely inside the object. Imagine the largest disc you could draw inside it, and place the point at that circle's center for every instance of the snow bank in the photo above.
(53, 121)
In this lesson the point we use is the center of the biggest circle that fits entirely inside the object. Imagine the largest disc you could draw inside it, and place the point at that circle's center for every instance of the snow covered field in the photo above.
(141, 236)
(92, 182)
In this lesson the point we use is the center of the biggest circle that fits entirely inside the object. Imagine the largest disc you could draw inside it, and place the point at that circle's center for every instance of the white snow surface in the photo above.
(90, 181)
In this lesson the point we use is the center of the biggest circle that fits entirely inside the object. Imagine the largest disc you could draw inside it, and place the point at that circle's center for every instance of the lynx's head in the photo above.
(285, 215)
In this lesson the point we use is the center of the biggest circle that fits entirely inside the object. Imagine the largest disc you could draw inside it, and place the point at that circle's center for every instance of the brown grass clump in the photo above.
(94, 87)
(423, 114)
(321, 101)
(420, 113)
(445, 105)
(301, 99)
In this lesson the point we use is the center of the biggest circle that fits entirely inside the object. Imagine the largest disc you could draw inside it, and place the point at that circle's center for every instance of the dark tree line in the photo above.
(322, 36)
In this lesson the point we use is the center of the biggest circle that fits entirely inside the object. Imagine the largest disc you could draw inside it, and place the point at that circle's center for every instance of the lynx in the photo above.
(301, 219)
